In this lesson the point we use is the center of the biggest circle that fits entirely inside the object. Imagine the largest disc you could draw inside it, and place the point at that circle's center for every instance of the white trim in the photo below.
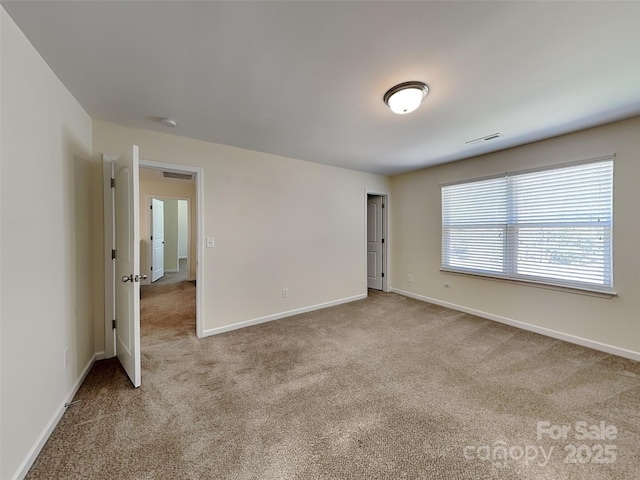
(100, 356)
(109, 264)
(26, 464)
(278, 316)
(585, 342)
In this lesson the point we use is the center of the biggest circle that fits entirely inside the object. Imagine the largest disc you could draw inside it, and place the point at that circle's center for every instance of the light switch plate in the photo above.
(210, 242)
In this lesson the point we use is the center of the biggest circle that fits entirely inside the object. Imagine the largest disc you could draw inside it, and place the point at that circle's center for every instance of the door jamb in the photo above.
(109, 262)
(109, 242)
(386, 264)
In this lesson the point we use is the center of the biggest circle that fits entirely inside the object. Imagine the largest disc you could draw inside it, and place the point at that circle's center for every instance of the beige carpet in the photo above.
(383, 388)
(174, 277)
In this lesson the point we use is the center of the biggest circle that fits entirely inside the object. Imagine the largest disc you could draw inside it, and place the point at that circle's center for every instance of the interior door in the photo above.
(374, 242)
(157, 239)
(127, 261)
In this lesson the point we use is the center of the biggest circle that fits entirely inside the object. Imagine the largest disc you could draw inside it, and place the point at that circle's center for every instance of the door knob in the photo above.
(143, 277)
(127, 278)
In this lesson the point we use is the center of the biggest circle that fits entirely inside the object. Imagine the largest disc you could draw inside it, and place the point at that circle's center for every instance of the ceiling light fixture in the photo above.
(168, 122)
(406, 97)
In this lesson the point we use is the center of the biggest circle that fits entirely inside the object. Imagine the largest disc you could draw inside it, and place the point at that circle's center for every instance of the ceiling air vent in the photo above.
(180, 176)
(493, 136)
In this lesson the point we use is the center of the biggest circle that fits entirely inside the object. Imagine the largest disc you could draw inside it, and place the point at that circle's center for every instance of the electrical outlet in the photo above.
(446, 285)
(66, 357)
(210, 242)
(285, 292)
(409, 278)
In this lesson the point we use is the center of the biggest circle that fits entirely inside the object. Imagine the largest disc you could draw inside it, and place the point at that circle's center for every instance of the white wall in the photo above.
(277, 222)
(183, 228)
(416, 243)
(170, 235)
(47, 255)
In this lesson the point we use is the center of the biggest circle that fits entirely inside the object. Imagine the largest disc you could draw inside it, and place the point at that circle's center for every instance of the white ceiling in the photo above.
(306, 79)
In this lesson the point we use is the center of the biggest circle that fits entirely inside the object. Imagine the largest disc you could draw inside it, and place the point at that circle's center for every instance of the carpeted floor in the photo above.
(167, 312)
(174, 277)
(383, 388)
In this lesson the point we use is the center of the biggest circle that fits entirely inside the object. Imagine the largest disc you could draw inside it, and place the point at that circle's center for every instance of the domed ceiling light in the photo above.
(406, 97)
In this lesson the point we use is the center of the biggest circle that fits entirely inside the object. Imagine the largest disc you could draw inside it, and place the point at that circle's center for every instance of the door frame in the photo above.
(148, 199)
(109, 242)
(386, 264)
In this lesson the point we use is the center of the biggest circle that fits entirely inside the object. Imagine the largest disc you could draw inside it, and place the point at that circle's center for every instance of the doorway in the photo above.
(165, 246)
(194, 257)
(376, 234)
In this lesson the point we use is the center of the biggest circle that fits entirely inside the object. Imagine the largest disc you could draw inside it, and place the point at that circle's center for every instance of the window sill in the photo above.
(530, 283)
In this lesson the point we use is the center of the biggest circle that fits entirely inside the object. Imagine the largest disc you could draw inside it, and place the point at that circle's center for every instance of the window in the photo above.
(549, 226)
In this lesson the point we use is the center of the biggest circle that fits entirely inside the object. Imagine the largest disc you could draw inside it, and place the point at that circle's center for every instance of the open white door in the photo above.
(127, 269)
(375, 249)
(157, 239)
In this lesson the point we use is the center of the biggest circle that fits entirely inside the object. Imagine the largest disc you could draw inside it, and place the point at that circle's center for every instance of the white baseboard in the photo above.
(26, 464)
(100, 356)
(585, 342)
(277, 316)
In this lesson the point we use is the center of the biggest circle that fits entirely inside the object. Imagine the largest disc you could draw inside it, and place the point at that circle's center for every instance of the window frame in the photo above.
(509, 271)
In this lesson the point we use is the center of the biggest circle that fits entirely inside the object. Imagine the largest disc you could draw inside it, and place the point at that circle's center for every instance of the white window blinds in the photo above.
(549, 226)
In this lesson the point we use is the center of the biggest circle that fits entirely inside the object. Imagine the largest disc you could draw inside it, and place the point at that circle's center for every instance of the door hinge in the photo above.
(113, 324)
(383, 205)
(151, 207)
(151, 237)
(113, 254)
(113, 183)
(382, 274)
(383, 240)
